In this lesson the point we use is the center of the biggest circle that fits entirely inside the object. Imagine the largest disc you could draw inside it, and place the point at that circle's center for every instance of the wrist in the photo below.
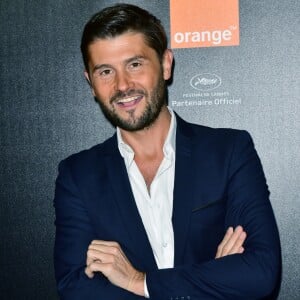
(136, 283)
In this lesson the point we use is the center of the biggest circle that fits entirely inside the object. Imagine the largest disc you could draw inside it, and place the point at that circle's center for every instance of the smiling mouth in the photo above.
(129, 101)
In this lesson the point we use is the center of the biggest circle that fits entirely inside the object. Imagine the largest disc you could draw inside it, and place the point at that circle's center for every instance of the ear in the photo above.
(87, 77)
(167, 63)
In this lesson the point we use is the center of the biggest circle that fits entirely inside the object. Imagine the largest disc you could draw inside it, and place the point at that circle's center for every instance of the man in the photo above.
(162, 208)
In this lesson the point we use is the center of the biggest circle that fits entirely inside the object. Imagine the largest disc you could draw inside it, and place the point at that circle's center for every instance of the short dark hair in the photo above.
(120, 18)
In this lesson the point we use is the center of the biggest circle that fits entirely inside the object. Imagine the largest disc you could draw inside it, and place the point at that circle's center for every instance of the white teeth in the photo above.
(126, 100)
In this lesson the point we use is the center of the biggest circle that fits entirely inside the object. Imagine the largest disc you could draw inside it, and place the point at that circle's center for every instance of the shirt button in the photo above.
(165, 244)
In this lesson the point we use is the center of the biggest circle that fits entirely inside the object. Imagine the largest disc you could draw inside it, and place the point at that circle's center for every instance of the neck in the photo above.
(149, 141)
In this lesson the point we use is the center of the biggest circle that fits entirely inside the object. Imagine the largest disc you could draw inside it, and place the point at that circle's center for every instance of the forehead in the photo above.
(119, 48)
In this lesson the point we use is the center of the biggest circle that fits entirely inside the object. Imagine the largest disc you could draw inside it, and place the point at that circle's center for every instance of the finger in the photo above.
(106, 247)
(95, 255)
(117, 274)
(241, 250)
(234, 240)
(89, 273)
(100, 252)
(106, 243)
(92, 255)
(94, 266)
(107, 269)
(226, 238)
(237, 246)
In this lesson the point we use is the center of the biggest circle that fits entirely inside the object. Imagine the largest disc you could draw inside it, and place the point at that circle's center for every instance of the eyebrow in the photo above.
(102, 66)
(127, 61)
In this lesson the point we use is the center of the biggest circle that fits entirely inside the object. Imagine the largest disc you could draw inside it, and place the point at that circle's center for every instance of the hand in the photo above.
(109, 259)
(232, 243)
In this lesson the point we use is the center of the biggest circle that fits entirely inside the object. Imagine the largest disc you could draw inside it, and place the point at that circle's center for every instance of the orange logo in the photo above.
(204, 23)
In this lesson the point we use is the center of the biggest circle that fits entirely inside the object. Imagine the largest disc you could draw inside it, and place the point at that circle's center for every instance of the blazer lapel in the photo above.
(184, 187)
(125, 202)
(182, 190)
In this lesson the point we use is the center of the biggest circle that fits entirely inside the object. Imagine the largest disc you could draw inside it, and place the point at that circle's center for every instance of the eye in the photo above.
(105, 72)
(135, 65)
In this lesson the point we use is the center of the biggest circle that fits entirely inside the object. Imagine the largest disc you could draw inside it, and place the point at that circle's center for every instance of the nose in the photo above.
(123, 81)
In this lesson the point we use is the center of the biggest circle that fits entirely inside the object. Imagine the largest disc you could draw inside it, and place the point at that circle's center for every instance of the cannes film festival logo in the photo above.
(205, 82)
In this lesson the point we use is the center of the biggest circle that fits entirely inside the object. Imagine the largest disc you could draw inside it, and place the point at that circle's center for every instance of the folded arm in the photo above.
(250, 275)
(74, 233)
(108, 258)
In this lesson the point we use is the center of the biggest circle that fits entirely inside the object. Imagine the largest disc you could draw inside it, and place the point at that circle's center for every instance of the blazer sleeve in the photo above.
(74, 233)
(251, 275)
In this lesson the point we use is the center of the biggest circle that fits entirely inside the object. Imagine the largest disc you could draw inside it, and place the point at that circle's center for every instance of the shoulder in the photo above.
(208, 135)
(221, 147)
(87, 159)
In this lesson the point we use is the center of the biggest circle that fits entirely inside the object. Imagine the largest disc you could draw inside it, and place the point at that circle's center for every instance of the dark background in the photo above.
(47, 112)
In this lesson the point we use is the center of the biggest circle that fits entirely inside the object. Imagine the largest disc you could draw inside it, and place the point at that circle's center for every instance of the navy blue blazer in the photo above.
(219, 182)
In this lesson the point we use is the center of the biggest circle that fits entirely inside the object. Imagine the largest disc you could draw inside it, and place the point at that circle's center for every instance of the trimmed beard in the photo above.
(153, 108)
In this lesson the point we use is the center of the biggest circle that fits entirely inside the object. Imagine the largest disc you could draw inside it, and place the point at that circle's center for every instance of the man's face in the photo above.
(128, 80)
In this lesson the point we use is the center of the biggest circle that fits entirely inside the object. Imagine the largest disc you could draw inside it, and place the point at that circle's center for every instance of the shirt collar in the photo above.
(168, 148)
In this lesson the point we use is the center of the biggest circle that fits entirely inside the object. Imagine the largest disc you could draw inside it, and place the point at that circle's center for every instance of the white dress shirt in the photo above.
(156, 205)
